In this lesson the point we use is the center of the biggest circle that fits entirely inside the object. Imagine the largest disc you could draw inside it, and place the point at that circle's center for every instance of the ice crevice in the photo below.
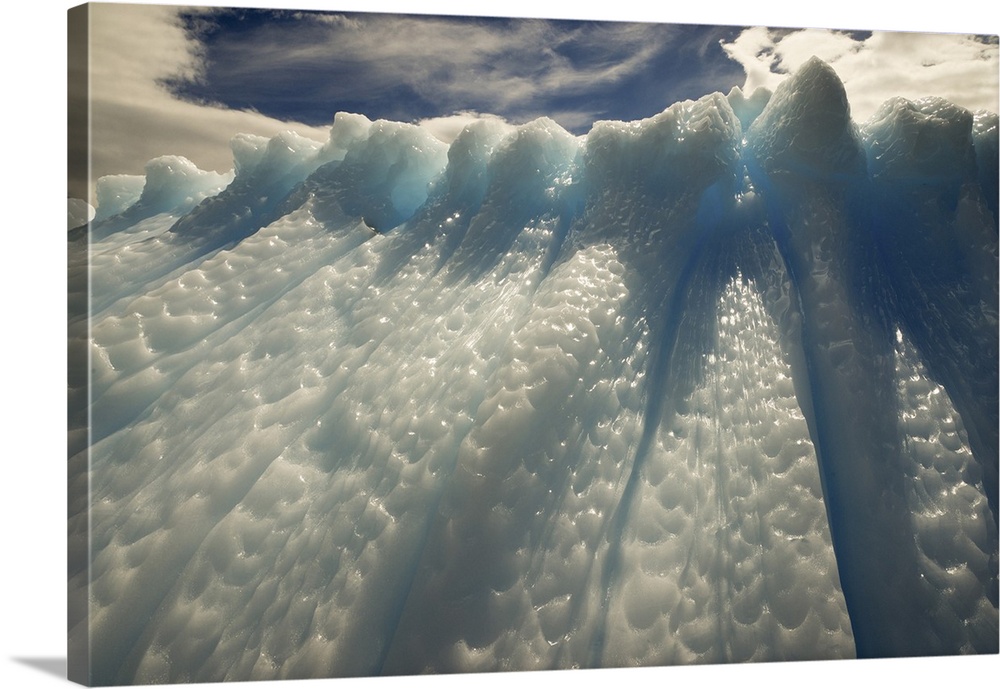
(714, 386)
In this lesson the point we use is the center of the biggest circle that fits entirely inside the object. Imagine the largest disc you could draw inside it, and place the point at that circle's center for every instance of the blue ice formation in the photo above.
(715, 386)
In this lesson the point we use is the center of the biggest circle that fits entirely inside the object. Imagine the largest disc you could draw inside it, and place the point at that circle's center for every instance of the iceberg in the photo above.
(715, 386)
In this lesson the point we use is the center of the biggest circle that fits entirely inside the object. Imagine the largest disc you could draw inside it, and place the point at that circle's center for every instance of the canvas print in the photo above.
(430, 344)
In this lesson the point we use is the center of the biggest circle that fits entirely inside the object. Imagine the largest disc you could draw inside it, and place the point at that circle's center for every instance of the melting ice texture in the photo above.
(715, 386)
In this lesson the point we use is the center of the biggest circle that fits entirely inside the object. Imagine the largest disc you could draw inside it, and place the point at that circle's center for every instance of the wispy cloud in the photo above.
(432, 65)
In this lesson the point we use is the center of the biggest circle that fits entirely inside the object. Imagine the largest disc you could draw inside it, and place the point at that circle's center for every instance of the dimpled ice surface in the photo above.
(715, 386)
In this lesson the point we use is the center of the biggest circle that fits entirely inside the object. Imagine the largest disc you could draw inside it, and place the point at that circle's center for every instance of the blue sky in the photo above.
(184, 82)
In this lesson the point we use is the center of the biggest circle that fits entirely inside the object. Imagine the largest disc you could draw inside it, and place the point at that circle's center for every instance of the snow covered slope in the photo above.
(678, 391)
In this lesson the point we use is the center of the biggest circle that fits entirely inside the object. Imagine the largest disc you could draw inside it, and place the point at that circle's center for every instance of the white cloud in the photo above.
(957, 67)
(135, 118)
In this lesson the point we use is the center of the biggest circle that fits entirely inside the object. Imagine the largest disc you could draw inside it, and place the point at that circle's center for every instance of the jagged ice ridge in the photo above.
(719, 385)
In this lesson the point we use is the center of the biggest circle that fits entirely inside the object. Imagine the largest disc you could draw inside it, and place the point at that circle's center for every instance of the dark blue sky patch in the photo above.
(307, 66)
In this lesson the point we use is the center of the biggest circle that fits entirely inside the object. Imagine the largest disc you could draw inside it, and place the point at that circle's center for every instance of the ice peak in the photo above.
(929, 137)
(806, 125)
(696, 139)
